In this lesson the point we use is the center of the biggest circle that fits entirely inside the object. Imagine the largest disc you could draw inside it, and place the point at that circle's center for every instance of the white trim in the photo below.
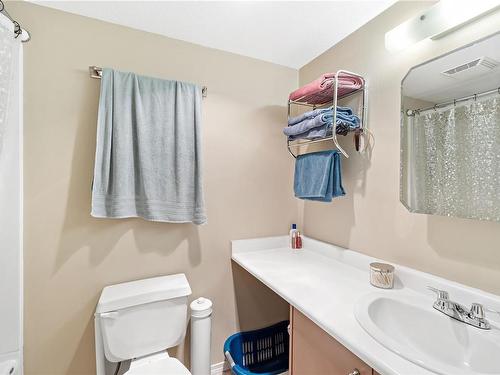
(219, 368)
(21, 206)
(11, 160)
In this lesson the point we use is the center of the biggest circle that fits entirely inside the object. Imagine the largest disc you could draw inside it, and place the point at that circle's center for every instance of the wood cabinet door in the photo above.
(315, 352)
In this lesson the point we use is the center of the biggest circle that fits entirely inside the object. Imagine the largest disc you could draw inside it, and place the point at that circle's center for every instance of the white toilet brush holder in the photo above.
(201, 335)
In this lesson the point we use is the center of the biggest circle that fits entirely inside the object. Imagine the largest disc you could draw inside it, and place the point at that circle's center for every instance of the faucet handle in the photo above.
(477, 307)
(477, 311)
(441, 294)
(476, 316)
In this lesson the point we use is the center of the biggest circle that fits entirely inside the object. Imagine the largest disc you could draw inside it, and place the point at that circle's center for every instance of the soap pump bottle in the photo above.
(293, 234)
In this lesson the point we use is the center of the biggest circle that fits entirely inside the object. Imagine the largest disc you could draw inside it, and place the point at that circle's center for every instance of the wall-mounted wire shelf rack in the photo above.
(362, 111)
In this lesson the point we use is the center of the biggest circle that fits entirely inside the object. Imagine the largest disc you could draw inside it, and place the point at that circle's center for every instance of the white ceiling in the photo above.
(290, 33)
(426, 82)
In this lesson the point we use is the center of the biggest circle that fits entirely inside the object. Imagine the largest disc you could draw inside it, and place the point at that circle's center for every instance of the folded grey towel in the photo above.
(148, 151)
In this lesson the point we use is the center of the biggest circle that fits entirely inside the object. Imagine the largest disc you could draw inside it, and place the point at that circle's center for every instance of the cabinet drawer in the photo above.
(315, 352)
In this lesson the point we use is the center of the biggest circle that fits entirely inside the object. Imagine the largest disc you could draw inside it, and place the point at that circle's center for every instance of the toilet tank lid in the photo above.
(139, 292)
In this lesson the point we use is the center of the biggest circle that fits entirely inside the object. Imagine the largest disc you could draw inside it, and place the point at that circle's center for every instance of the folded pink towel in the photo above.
(320, 90)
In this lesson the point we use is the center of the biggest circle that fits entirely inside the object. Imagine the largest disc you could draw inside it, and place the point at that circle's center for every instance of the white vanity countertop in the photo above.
(324, 282)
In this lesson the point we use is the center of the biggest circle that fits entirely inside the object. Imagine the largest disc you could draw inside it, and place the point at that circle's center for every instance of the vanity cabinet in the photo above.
(315, 352)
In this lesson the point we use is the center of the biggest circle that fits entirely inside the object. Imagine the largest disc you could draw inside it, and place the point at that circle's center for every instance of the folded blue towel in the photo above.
(318, 176)
(325, 130)
(307, 115)
(350, 119)
(317, 123)
(308, 124)
(315, 133)
(311, 114)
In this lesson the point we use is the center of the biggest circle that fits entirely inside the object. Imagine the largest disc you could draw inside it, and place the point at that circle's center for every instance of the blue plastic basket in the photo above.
(263, 351)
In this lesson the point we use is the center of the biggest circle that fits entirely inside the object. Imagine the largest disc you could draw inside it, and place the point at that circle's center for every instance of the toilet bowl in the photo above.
(138, 321)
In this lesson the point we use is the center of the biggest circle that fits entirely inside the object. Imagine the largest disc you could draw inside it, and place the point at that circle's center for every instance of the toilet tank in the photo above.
(143, 317)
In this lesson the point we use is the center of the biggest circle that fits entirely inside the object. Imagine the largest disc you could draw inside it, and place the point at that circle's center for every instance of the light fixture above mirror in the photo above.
(439, 20)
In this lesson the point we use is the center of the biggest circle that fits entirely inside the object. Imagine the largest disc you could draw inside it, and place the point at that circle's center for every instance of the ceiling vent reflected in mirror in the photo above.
(466, 71)
(474, 68)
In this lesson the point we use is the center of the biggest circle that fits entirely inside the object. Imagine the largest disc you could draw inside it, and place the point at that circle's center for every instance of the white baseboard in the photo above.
(220, 368)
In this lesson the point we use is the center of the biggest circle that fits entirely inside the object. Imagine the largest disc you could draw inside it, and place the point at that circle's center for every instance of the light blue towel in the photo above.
(318, 123)
(307, 115)
(324, 130)
(311, 114)
(318, 176)
(308, 124)
(315, 133)
(148, 151)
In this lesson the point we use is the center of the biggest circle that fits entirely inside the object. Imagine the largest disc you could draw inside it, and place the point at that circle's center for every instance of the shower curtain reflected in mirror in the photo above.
(451, 160)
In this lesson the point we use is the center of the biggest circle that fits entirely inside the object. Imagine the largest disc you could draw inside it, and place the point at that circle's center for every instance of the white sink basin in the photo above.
(410, 327)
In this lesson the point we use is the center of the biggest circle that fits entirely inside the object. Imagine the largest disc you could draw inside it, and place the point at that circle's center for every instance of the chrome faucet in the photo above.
(474, 316)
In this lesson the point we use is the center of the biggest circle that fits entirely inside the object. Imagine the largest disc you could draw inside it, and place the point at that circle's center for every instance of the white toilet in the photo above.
(138, 321)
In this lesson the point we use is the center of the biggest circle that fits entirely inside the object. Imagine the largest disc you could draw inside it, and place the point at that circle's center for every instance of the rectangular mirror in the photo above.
(450, 133)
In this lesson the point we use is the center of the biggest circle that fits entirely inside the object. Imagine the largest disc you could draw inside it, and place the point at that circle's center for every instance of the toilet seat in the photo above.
(157, 365)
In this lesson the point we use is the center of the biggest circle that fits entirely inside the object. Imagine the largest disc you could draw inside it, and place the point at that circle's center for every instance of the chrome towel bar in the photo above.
(96, 72)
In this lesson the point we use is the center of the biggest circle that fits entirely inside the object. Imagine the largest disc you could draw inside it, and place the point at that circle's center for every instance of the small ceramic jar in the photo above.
(382, 275)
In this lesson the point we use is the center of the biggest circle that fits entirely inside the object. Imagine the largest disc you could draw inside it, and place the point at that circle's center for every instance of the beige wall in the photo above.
(370, 217)
(69, 256)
